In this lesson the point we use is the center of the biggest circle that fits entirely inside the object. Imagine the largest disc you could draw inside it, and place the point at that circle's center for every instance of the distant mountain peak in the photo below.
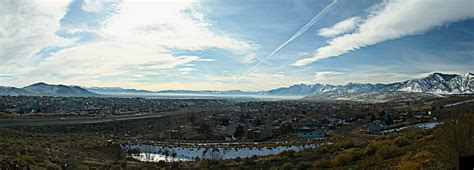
(435, 83)
(44, 89)
(445, 77)
(39, 84)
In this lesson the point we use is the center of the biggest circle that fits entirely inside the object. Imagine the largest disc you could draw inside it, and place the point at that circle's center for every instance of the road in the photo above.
(87, 120)
(69, 120)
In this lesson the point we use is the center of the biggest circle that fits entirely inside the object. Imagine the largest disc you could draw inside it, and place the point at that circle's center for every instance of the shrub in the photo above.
(287, 166)
(385, 151)
(287, 154)
(346, 143)
(400, 141)
(356, 153)
(221, 164)
(25, 158)
(343, 159)
(370, 149)
(324, 163)
(303, 165)
(203, 164)
(408, 165)
(415, 134)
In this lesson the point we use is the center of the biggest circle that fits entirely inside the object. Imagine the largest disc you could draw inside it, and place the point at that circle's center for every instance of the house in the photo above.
(228, 137)
(349, 120)
(376, 126)
(311, 133)
(335, 122)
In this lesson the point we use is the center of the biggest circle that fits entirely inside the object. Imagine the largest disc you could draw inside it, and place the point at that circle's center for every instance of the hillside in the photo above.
(43, 89)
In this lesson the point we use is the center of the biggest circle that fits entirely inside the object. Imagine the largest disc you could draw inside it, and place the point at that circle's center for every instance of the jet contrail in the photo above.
(296, 35)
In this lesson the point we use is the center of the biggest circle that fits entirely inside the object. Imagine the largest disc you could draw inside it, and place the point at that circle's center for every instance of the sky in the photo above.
(231, 44)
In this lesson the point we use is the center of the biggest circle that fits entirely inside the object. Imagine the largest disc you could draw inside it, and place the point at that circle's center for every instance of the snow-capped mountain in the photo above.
(300, 90)
(304, 90)
(371, 97)
(436, 83)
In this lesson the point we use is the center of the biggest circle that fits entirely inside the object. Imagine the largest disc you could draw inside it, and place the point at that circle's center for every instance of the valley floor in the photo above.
(347, 146)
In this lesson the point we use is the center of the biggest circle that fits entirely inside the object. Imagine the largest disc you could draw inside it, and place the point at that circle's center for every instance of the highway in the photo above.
(67, 120)
(83, 120)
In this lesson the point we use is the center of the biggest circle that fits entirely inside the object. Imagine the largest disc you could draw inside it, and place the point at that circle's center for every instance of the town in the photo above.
(235, 121)
(220, 133)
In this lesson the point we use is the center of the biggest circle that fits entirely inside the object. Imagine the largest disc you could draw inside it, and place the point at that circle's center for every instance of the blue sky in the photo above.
(222, 45)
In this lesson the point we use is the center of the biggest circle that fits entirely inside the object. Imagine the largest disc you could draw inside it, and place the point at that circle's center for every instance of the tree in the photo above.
(239, 131)
(258, 122)
(287, 128)
(192, 118)
(389, 120)
(204, 129)
(372, 117)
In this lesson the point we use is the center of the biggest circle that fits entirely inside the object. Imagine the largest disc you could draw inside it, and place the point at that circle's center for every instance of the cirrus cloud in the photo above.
(92, 5)
(136, 40)
(394, 19)
(27, 27)
(340, 27)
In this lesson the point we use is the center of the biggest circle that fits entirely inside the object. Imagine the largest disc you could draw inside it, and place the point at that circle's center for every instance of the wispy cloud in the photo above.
(135, 41)
(322, 75)
(279, 75)
(27, 27)
(207, 59)
(171, 25)
(296, 35)
(111, 59)
(340, 28)
(186, 70)
(92, 5)
(394, 19)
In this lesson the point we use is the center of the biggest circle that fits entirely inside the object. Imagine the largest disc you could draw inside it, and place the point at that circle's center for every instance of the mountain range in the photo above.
(436, 83)
(115, 90)
(43, 89)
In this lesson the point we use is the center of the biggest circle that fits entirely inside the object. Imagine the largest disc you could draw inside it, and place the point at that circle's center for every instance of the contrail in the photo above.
(296, 35)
